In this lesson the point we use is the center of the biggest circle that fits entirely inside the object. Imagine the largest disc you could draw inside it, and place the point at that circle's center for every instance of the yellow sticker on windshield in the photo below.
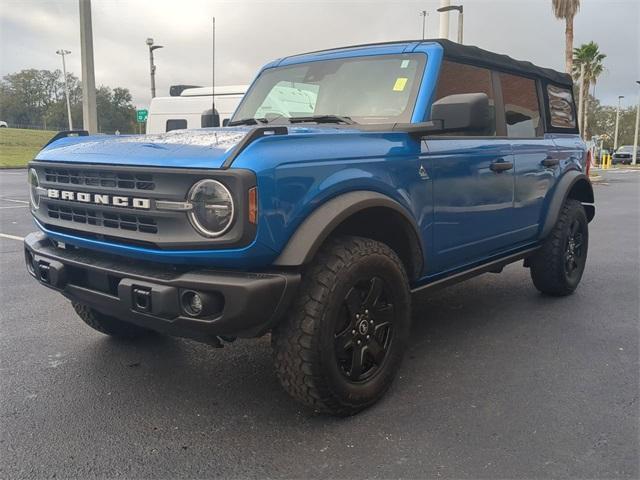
(401, 82)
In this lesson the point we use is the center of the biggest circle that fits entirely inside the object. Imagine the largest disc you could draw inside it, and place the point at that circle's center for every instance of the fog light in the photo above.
(192, 303)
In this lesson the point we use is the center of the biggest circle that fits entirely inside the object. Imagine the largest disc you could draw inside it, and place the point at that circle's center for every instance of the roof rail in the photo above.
(67, 133)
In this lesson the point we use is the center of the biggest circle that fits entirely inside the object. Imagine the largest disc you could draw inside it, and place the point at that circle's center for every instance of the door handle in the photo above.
(501, 166)
(550, 162)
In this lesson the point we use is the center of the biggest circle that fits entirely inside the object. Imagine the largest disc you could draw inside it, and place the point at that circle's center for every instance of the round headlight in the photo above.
(34, 184)
(212, 211)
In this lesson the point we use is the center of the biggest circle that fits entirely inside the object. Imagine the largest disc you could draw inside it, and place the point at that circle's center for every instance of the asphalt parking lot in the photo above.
(499, 382)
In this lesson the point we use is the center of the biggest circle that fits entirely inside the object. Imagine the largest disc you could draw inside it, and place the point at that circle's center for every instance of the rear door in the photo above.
(473, 181)
(537, 160)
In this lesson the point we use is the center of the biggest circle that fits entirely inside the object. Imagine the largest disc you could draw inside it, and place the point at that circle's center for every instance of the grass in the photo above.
(19, 146)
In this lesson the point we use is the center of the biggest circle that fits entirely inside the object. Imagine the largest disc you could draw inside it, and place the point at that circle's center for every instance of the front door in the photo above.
(473, 196)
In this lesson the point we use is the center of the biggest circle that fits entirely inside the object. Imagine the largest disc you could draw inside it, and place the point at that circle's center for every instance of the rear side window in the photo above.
(561, 107)
(178, 124)
(456, 78)
(521, 106)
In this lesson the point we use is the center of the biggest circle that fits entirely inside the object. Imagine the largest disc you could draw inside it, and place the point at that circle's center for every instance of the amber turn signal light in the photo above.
(253, 205)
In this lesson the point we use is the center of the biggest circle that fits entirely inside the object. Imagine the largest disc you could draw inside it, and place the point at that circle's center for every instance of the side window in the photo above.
(561, 107)
(521, 107)
(458, 78)
(178, 124)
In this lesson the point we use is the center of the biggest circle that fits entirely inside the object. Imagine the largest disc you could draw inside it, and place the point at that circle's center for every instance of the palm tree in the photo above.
(587, 54)
(566, 10)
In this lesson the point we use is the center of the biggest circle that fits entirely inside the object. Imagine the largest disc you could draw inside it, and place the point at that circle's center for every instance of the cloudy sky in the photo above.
(252, 32)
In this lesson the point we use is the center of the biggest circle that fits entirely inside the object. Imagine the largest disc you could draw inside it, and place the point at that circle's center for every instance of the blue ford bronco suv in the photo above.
(346, 181)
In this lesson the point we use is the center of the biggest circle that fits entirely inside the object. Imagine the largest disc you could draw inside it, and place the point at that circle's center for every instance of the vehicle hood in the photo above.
(205, 148)
(202, 148)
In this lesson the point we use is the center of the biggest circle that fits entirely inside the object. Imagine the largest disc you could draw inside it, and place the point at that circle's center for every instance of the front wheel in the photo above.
(341, 346)
(557, 268)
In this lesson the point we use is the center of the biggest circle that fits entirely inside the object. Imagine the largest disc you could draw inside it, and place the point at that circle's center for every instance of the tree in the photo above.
(604, 121)
(589, 56)
(566, 10)
(115, 110)
(35, 98)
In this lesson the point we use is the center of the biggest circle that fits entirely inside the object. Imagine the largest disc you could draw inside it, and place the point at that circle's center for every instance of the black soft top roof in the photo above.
(479, 56)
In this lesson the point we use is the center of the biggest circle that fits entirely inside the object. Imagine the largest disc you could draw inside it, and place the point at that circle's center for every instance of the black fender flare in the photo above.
(584, 193)
(314, 230)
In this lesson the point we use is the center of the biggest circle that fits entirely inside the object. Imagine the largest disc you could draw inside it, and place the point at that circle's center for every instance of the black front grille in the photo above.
(122, 221)
(100, 178)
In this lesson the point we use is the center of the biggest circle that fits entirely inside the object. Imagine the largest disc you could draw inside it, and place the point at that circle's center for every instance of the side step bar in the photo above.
(492, 266)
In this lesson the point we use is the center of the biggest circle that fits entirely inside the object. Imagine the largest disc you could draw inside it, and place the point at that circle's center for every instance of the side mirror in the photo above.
(462, 112)
(225, 122)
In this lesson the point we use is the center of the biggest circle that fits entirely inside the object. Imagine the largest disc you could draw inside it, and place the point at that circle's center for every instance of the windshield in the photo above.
(626, 148)
(377, 89)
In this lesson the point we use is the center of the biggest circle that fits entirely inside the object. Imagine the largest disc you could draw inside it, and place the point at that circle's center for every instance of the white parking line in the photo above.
(14, 200)
(11, 237)
(15, 206)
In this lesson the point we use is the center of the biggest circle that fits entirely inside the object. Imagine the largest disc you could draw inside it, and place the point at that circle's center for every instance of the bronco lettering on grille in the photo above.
(99, 199)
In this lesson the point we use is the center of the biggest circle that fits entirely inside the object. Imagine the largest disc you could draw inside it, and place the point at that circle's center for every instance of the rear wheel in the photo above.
(341, 346)
(557, 268)
(109, 325)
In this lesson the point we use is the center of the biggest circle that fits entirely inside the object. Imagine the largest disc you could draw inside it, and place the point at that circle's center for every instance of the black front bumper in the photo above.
(152, 295)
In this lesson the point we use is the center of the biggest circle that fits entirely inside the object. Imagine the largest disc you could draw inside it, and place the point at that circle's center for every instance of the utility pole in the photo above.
(635, 135)
(444, 19)
(62, 53)
(615, 135)
(424, 14)
(89, 111)
(152, 66)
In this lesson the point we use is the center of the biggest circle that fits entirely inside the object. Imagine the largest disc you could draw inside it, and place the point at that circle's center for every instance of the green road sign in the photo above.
(141, 115)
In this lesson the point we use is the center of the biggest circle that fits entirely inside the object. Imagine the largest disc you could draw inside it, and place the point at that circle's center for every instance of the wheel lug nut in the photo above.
(371, 322)
(357, 316)
(359, 342)
(353, 332)
(366, 312)
(368, 337)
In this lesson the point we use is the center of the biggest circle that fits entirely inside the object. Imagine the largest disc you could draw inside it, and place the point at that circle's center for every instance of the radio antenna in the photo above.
(213, 76)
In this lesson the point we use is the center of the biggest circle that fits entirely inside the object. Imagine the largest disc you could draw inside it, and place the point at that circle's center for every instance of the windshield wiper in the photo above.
(248, 121)
(323, 119)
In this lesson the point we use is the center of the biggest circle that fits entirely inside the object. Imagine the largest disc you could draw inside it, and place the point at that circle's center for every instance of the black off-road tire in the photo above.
(346, 270)
(109, 325)
(549, 265)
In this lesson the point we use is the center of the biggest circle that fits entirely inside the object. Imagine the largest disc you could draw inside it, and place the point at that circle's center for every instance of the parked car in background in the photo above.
(623, 156)
(191, 108)
(347, 181)
(3, 124)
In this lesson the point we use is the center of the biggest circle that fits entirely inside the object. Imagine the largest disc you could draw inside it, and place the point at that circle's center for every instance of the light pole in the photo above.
(444, 19)
(615, 135)
(152, 66)
(62, 53)
(424, 14)
(460, 10)
(635, 135)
